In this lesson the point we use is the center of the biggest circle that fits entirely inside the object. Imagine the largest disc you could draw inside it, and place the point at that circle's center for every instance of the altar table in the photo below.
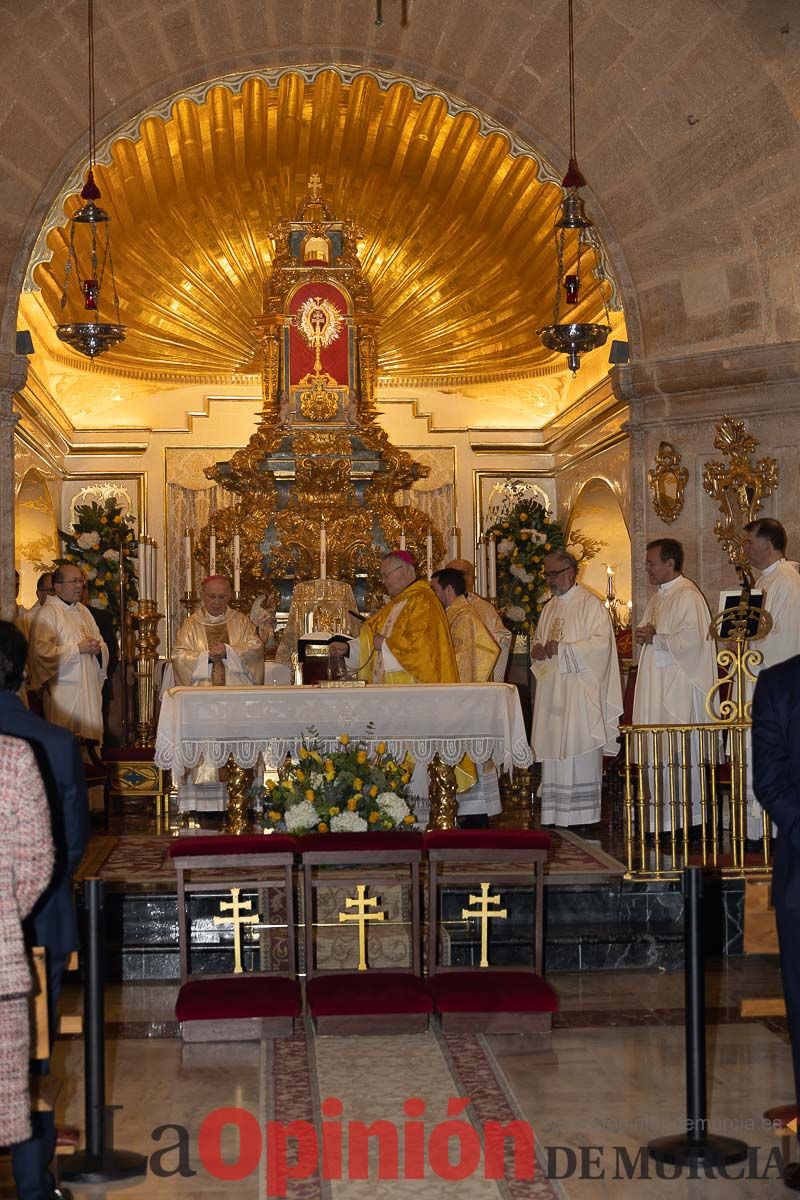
(263, 724)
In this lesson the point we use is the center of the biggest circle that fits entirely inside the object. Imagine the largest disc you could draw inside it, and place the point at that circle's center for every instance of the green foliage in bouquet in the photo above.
(94, 544)
(525, 534)
(347, 790)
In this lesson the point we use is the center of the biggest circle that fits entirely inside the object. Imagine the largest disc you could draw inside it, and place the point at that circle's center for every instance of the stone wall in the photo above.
(681, 401)
(688, 124)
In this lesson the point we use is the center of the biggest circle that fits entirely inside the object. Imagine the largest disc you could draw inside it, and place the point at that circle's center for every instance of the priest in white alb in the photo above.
(67, 657)
(677, 668)
(764, 544)
(217, 646)
(578, 699)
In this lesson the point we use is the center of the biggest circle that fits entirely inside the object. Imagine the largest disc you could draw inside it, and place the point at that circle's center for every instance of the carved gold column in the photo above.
(270, 348)
(442, 795)
(146, 657)
(368, 368)
(239, 780)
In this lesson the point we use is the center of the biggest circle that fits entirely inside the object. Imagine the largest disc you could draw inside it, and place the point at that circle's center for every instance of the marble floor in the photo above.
(608, 1079)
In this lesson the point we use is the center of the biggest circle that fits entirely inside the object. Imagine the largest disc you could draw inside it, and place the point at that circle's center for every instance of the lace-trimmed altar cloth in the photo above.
(483, 720)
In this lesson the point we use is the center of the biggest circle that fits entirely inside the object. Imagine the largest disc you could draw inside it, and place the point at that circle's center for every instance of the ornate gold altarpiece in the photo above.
(318, 457)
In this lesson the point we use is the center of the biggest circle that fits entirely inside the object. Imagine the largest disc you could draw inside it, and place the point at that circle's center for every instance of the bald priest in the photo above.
(408, 639)
(216, 647)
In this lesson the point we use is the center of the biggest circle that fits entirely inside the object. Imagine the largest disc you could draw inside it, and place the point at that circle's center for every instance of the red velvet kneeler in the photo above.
(376, 999)
(487, 999)
(236, 1006)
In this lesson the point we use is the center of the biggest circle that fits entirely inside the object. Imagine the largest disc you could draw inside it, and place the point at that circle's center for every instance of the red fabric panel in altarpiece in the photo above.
(301, 355)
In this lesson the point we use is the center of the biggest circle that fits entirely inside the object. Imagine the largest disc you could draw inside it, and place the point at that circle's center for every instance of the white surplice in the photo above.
(202, 789)
(676, 672)
(577, 707)
(780, 584)
(72, 682)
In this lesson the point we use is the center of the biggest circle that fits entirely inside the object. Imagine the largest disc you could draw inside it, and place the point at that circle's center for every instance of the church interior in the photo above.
(355, 295)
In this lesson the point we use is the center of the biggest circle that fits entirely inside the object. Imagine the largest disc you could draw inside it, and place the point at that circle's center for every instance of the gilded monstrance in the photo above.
(318, 455)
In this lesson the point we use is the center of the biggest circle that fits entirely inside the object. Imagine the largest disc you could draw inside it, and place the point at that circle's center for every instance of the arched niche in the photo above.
(597, 514)
(36, 532)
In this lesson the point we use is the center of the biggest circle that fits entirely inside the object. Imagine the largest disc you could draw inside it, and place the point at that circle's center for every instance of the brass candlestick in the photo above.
(147, 643)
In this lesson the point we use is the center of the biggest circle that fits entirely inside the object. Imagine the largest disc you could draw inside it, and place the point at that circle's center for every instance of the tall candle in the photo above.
(492, 549)
(237, 566)
(146, 588)
(187, 554)
(402, 539)
(454, 543)
(429, 554)
(212, 554)
(481, 567)
(323, 552)
(610, 583)
(152, 589)
(140, 556)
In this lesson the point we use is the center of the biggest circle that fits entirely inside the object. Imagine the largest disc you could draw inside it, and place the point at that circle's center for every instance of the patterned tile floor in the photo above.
(609, 1078)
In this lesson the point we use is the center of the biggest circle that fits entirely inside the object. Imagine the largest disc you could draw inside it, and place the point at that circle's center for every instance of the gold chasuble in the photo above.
(417, 636)
(244, 652)
(475, 649)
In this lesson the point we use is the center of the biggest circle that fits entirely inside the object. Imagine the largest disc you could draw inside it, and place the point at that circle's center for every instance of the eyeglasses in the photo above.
(386, 574)
(555, 574)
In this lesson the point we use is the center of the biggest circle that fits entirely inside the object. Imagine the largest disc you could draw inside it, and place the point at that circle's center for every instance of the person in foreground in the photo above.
(764, 545)
(578, 696)
(52, 923)
(26, 860)
(776, 780)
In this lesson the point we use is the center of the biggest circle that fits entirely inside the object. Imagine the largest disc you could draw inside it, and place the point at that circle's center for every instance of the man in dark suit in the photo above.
(52, 923)
(776, 782)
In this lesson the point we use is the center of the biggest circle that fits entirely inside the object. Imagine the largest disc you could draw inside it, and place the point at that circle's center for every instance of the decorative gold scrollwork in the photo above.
(727, 701)
(740, 487)
(667, 479)
(319, 404)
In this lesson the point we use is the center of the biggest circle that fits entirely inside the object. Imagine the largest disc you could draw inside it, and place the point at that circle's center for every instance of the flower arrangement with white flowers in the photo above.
(347, 790)
(93, 544)
(525, 534)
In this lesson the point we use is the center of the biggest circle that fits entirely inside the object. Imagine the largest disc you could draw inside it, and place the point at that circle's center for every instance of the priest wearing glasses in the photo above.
(408, 639)
(578, 696)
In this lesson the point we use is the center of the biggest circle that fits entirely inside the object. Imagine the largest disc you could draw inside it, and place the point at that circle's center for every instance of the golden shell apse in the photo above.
(457, 225)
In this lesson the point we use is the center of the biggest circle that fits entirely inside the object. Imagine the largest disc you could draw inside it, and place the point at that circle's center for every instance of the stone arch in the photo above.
(683, 114)
(597, 513)
(36, 531)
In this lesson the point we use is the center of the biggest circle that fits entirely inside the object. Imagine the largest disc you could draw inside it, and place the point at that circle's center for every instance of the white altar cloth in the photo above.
(264, 724)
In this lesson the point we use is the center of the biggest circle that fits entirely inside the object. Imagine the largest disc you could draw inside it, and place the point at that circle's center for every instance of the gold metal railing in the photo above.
(685, 800)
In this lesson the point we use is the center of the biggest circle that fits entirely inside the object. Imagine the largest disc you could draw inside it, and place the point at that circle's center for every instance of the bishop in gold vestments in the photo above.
(408, 640)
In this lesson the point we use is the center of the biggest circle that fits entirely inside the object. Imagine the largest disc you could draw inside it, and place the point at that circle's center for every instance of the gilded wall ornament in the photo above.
(739, 487)
(667, 479)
